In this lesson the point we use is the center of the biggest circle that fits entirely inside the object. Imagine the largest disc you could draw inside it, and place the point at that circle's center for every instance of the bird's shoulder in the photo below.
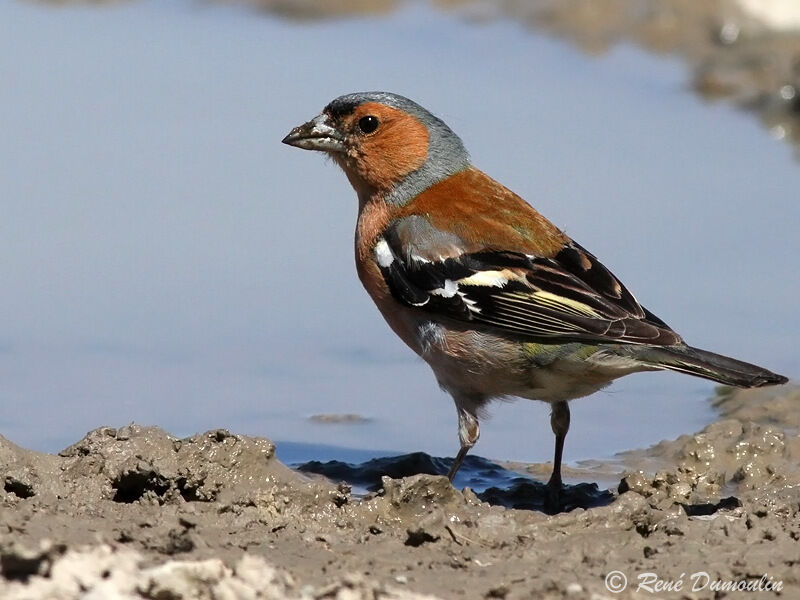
(483, 213)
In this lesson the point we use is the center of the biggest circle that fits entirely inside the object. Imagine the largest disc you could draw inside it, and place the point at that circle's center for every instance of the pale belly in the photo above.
(483, 366)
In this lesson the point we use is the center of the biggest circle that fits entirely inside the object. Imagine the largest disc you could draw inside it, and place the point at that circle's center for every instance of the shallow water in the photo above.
(492, 482)
(166, 260)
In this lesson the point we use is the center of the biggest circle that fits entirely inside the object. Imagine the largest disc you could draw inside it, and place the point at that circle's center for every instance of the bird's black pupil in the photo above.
(368, 124)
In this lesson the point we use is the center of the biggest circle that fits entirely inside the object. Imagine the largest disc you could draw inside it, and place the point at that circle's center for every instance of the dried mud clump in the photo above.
(120, 574)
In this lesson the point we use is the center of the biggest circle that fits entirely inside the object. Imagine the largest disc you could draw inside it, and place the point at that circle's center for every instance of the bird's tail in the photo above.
(708, 365)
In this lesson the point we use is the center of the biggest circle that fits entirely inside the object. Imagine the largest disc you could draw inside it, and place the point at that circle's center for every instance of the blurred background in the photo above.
(164, 259)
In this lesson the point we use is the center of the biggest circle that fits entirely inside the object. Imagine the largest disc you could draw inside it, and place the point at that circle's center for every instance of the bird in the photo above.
(497, 300)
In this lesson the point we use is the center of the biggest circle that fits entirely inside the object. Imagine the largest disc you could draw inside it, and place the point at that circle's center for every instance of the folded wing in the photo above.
(567, 297)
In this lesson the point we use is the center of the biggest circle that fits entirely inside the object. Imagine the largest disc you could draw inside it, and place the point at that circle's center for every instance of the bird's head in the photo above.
(386, 144)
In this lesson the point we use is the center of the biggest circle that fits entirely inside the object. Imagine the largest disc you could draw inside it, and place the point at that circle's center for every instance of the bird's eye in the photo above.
(368, 124)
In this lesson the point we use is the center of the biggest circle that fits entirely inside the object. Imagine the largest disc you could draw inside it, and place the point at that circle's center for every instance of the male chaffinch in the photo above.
(495, 298)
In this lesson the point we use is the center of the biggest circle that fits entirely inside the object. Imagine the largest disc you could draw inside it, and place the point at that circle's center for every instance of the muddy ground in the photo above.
(136, 513)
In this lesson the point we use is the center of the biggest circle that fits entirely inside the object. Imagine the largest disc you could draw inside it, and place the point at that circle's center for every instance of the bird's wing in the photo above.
(569, 296)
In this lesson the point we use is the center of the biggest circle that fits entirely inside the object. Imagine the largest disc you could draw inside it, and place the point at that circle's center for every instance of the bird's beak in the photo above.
(317, 134)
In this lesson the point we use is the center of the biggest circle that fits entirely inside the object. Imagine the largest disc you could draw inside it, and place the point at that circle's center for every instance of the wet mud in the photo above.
(137, 513)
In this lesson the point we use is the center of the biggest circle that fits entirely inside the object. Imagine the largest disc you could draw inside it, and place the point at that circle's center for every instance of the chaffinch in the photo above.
(495, 298)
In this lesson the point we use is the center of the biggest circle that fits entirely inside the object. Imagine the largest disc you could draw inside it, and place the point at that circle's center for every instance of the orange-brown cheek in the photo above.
(398, 148)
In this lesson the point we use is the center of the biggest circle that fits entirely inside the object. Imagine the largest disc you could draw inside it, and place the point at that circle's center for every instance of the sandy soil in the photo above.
(136, 513)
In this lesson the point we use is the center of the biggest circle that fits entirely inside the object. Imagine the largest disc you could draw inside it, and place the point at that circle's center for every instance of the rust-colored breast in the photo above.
(483, 212)
(373, 219)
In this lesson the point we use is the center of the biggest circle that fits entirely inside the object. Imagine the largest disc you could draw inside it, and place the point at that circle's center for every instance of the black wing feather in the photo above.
(570, 297)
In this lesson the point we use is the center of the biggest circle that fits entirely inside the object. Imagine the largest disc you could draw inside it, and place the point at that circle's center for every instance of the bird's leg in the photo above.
(559, 421)
(468, 434)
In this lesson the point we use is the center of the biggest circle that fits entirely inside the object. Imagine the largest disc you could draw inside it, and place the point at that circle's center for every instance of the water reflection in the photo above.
(324, 9)
(744, 51)
(492, 482)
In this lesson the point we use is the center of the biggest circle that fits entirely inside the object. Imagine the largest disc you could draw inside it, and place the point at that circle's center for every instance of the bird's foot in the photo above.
(552, 501)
